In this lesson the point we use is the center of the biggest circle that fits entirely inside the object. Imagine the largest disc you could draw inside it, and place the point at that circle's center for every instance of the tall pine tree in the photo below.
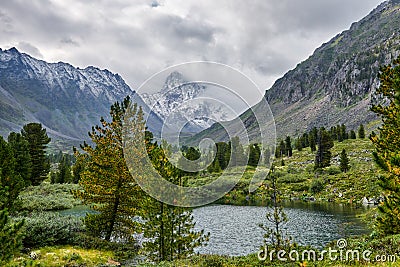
(37, 139)
(23, 162)
(323, 155)
(361, 132)
(387, 144)
(8, 177)
(169, 230)
(106, 182)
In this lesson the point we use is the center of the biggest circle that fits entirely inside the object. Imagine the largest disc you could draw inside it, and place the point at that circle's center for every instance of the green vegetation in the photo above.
(323, 155)
(344, 161)
(37, 139)
(65, 256)
(298, 180)
(387, 143)
(327, 165)
(50, 229)
(274, 237)
(170, 228)
(106, 182)
(10, 235)
(47, 197)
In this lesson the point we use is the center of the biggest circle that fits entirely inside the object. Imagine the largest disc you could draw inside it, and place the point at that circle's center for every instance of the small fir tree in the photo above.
(344, 161)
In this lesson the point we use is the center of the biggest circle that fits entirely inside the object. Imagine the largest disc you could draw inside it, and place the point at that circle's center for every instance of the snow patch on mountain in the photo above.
(184, 104)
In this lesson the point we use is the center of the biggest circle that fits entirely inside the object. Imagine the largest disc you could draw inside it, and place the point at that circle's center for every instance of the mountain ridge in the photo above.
(68, 101)
(336, 84)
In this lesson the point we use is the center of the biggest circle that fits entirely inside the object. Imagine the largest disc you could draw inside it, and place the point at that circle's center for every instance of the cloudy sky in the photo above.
(262, 38)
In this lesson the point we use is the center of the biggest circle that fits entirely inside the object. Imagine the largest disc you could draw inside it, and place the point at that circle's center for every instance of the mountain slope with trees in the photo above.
(335, 85)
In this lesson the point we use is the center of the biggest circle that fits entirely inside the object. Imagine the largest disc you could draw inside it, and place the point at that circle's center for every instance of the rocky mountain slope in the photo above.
(180, 102)
(68, 101)
(335, 84)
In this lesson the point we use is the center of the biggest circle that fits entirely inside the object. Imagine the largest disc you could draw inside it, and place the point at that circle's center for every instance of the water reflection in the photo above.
(234, 229)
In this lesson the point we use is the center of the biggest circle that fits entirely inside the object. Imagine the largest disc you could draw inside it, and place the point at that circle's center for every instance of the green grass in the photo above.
(385, 246)
(64, 256)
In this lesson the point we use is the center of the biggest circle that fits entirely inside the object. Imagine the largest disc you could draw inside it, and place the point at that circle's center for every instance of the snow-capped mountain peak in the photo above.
(180, 102)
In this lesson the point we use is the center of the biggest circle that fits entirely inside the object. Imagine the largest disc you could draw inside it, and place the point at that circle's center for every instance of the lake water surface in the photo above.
(234, 229)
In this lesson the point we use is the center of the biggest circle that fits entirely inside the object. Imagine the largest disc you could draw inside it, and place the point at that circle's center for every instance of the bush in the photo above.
(300, 187)
(212, 261)
(332, 170)
(48, 197)
(292, 178)
(49, 229)
(123, 251)
(317, 185)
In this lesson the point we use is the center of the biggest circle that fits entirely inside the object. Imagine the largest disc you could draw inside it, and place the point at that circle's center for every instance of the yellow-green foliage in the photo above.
(65, 256)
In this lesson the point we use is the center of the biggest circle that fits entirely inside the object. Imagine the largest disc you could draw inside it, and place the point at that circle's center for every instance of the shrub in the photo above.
(332, 170)
(317, 185)
(300, 187)
(292, 178)
(48, 197)
(49, 229)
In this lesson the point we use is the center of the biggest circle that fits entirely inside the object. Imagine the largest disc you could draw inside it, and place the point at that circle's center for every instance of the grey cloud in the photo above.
(5, 22)
(265, 38)
(69, 41)
(30, 49)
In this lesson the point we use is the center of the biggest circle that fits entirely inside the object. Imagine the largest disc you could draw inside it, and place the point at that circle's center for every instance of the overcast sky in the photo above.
(264, 38)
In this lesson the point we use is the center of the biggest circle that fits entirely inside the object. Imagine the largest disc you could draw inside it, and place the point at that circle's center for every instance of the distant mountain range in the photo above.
(334, 85)
(68, 101)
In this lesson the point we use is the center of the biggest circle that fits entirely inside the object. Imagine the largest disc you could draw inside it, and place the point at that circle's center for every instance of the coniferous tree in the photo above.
(106, 182)
(361, 132)
(312, 141)
(323, 155)
(334, 133)
(23, 162)
(238, 157)
(298, 144)
(8, 177)
(344, 132)
(10, 233)
(340, 135)
(63, 174)
(276, 217)
(305, 140)
(169, 229)
(222, 155)
(280, 150)
(38, 140)
(79, 166)
(288, 146)
(267, 156)
(192, 154)
(353, 134)
(344, 161)
(387, 145)
(254, 155)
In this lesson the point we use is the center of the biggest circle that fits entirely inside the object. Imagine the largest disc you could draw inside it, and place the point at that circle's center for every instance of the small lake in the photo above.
(234, 229)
